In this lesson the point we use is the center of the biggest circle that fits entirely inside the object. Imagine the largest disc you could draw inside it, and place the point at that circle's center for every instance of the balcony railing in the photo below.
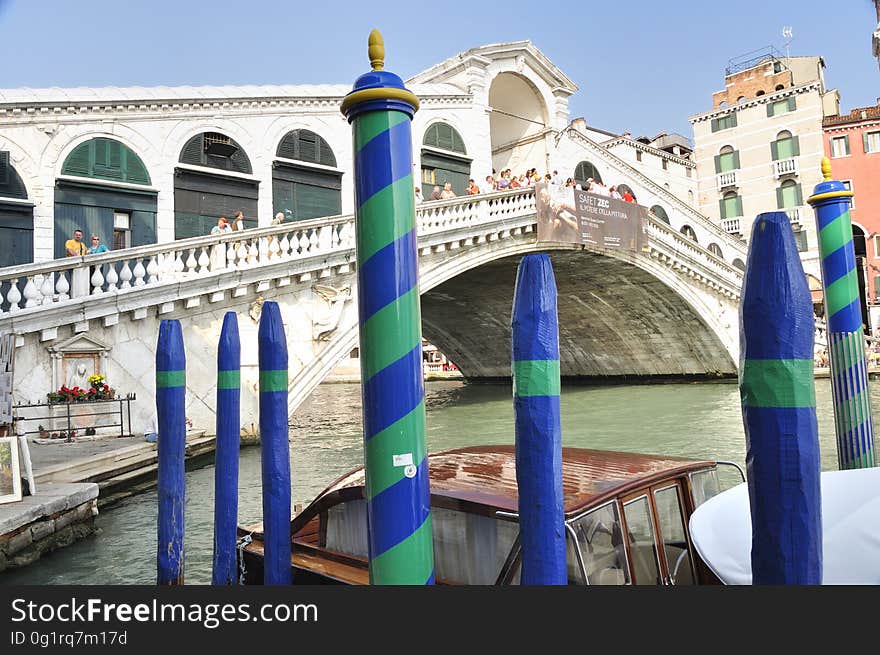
(727, 179)
(794, 214)
(732, 225)
(785, 167)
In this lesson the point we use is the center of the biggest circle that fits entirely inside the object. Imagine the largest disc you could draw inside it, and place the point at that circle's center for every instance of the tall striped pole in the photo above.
(171, 413)
(778, 398)
(395, 456)
(536, 388)
(274, 446)
(846, 340)
(226, 457)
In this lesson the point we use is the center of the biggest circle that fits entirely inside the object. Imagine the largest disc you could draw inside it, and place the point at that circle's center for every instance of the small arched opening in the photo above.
(444, 159)
(659, 213)
(305, 181)
(584, 171)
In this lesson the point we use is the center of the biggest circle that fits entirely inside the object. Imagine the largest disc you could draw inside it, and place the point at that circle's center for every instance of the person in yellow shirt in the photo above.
(75, 246)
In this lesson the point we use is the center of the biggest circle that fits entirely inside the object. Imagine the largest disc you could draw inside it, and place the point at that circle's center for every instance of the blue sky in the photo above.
(642, 67)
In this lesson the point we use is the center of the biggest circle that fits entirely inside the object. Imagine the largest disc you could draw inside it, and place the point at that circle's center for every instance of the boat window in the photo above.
(600, 540)
(470, 548)
(642, 545)
(704, 485)
(670, 523)
(347, 528)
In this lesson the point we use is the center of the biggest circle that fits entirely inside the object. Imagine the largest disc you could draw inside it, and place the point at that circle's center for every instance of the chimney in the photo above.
(579, 123)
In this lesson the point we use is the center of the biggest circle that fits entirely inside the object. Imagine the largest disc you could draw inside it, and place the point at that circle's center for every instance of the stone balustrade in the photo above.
(76, 289)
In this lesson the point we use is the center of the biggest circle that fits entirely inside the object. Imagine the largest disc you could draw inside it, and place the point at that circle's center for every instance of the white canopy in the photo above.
(721, 530)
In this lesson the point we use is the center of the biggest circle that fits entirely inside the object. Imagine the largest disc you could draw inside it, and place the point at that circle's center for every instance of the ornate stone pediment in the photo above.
(76, 358)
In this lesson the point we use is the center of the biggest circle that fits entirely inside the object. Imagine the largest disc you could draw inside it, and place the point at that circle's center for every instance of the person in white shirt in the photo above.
(419, 198)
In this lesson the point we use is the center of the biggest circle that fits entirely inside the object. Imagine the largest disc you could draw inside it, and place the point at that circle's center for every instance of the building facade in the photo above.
(140, 165)
(760, 146)
(852, 141)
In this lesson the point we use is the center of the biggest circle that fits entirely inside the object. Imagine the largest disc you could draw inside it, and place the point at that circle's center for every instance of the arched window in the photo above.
(16, 218)
(779, 87)
(660, 213)
(444, 159)
(760, 92)
(690, 198)
(201, 197)
(784, 147)
(688, 231)
(715, 249)
(301, 190)
(307, 146)
(119, 217)
(215, 150)
(741, 99)
(738, 263)
(731, 205)
(726, 160)
(106, 159)
(584, 171)
(624, 188)
(789, 195)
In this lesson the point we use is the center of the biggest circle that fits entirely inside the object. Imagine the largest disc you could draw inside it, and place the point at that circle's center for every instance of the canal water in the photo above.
(696, 420)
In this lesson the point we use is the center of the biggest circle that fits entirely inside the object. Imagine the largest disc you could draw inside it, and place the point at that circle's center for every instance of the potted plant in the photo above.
(44, 434)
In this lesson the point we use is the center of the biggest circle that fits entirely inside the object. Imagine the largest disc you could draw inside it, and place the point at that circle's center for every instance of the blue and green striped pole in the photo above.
(226, 457)
(778, 396)
(274, 446)
(536, 388)
(171, 413)
(380, 110)
(843, 310)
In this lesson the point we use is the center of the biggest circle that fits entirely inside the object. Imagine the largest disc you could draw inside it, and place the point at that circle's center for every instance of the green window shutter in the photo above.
(799, 195)
(717, 164)
(722, 209)
(193, 151)
(770, 109)
(739, 205)
(78, 161)
(732, 120)
(864, 142)
(846, 142)
(736, 159)
(792, 103)
(4, 167)
(774, 150)
(780, 200)
(877, 285)
(715, 127)
(795, 147)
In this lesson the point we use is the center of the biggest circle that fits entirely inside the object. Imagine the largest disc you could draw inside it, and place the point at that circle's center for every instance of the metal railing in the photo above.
(70, 415)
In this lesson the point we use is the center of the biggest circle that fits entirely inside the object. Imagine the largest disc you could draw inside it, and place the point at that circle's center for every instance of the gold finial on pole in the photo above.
(826, 168)
(376, 50)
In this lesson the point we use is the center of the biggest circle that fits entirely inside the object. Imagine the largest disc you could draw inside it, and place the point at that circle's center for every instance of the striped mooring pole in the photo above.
(171, 413)
(380, 110)
(536, 389)
(843, 311)
(778, 396)
(274, 446)
(226, 457)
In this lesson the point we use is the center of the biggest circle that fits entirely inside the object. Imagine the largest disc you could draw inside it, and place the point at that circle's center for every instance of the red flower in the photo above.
(93, 390)
(106, 388)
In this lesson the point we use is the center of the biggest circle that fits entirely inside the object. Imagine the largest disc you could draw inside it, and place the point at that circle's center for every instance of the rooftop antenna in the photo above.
(788, 35)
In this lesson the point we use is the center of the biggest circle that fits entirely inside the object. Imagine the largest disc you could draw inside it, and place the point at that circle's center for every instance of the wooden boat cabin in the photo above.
(626, 517)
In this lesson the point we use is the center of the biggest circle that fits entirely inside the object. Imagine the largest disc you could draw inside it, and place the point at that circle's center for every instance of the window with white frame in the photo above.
(872, 142)
(877, 246)
(840, 146)
(847, 184)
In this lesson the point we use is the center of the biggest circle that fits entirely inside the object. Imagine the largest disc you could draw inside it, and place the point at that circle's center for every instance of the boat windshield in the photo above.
(599, 538)
(704, 485)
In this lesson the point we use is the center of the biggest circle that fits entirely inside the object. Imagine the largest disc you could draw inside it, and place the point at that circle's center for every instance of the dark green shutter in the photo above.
(736, 159)
(792, 103)
(715, 127)
(846, 142)
(77, 162)
(795, 147)
(445, 137)
(770, 110)
(717, 164)
(739, 206)
(780, 201)
(864, 141)
(4, 168)
(800, 195)
(774, 150)
(722, 209)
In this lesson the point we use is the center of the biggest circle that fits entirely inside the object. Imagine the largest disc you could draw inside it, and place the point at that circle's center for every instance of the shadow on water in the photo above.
(692, 420)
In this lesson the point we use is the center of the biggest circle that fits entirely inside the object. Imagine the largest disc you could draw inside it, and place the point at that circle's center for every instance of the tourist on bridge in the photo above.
(96, 246)
(419, 198)
(628, 196)
(447, 192)
(491, 184)
(614, 193)
(238, 222)
(222, 226)
(435, 194)
(75, 246)
(472, 189)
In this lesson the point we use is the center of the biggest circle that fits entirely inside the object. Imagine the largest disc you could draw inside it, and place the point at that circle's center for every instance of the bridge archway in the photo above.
(518, 121)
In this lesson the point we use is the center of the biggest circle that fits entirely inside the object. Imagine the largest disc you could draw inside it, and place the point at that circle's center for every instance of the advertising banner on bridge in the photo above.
(569, 215)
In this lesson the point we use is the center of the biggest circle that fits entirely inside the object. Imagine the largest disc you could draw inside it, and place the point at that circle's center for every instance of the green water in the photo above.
(696, 420)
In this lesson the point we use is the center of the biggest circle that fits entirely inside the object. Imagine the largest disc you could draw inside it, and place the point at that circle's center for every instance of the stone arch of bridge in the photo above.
(620, 315)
